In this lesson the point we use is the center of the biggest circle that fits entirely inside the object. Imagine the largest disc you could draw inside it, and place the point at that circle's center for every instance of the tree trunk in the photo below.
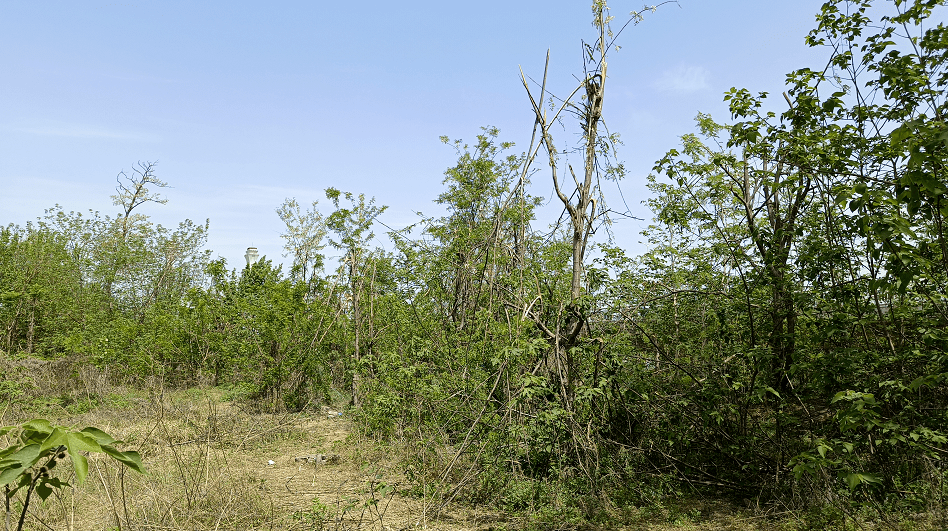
(356, 320)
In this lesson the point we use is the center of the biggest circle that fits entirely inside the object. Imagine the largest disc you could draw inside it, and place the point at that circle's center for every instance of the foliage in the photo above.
(39, 446)
(821, 228)
(782, 339)
(352, 227)
(304, 234)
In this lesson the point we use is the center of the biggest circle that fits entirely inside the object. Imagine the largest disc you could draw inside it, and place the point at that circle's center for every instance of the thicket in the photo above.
(782, 340)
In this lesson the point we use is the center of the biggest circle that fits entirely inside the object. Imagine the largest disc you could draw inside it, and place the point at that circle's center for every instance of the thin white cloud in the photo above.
(241, 200)
(683, 79)
(85, 131)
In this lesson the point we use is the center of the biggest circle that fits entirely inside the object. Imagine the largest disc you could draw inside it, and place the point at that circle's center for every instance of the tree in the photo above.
(585, 205)
(352, 225)
(304, 236)
(132, 191)
(582, 201)
(482, 238)
(884, 93)
(821, 228)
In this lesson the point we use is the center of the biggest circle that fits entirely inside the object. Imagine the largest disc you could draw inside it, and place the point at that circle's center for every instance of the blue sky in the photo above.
(245, 104)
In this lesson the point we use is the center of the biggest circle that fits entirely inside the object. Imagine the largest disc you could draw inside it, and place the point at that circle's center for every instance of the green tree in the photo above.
(304, 238)
(352, 227)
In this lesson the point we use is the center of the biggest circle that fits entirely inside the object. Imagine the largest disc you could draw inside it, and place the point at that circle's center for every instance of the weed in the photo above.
(316, 517)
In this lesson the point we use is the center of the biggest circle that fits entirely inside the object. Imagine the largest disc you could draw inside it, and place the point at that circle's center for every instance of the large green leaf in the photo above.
(36, 430)
(81, 442)
(100, 436)
(78, 442)
(131, 458)
(9, 450)
(55, 439)
(42, 425)
(854, 479)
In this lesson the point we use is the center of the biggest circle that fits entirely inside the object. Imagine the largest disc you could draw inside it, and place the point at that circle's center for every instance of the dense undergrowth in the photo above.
(782, 343)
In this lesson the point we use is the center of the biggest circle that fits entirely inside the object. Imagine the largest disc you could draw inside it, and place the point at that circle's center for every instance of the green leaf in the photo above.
(130, 458)
(26, 456)
(82, 442)
(77, 442)
(100, 436)
(9, 473)
(8, 451)
(57, 483)
(42, 425)
(772, 391)
(36, 430)
(901, 133)
(43, 490)
(852, 480)
(55, 439)
(929, 380)
(80, 464)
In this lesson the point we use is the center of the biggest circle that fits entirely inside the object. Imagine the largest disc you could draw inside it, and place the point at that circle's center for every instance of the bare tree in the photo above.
(132, 191)
(582, 201)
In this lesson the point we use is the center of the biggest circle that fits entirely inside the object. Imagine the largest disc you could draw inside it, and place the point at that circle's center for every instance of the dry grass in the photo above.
(208, 461)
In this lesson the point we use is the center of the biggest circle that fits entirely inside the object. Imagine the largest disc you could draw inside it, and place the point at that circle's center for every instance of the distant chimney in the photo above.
(251, 256)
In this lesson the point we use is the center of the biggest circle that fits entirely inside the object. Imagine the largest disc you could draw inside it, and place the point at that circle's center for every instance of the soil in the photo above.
(354, 496)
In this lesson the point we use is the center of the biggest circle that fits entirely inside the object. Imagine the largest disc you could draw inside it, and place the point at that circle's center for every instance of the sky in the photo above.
(245, 104)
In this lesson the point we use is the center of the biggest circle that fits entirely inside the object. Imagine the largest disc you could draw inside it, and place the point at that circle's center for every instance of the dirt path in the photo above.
(318, 479)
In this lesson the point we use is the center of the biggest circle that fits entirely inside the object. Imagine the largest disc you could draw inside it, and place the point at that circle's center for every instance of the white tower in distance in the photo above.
(252, 256)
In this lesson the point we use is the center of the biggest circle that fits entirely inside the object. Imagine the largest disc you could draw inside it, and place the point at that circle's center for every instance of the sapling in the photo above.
(37, 447)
